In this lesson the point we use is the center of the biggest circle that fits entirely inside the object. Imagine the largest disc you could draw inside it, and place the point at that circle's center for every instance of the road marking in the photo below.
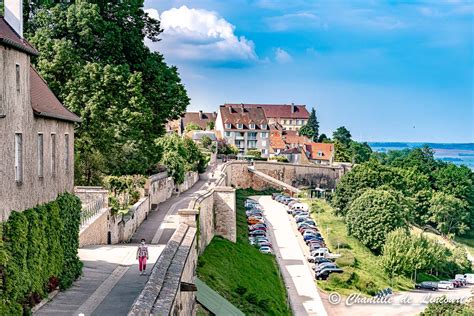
(90, 305)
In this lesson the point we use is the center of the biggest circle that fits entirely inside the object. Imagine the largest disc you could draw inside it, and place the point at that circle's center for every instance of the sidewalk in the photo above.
(110, 281)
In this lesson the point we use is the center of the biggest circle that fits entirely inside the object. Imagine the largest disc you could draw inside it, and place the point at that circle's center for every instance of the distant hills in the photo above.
(400, 145)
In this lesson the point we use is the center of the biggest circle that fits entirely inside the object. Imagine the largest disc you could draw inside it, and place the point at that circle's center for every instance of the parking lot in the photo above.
(292, 253)
(297, 273)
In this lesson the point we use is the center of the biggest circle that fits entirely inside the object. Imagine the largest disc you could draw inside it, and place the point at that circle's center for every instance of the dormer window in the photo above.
(240, 125)
(252, 126)
(263, 126)
(228, 125)
(320, 153)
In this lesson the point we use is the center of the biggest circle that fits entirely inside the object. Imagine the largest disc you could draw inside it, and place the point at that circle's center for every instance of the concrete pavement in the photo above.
(298, 277)
(111, 282)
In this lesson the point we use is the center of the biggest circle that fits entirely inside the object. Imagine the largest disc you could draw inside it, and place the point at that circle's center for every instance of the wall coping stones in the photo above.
(188, 211)
(143, 305)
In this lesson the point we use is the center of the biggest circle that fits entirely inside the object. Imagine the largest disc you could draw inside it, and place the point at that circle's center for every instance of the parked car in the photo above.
(258, 233)
(324, 274)
(318, 260)
(468, 277)
(274, 195)
(255, 221)
(320, 266)
(462, 281)
(310, 222)
(300, 219)
(446, 285)
(427, 285)
(265, 249)
(299, 206)
(249, 214)
(261, 225)
(265, 244)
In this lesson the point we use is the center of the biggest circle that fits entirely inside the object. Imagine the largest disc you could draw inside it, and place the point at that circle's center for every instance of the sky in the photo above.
(386, 70)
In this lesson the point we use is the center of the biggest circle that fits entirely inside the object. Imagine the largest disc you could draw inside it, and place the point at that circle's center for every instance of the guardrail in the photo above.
(91, 209)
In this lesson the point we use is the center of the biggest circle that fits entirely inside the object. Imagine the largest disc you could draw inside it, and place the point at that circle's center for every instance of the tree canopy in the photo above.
(311, 128)
(94, 58)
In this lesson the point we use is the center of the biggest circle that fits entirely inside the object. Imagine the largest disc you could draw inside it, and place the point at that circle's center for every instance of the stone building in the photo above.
(36, 130)
(245, 127)
(204, 120)
(289, 116)
(320, 153)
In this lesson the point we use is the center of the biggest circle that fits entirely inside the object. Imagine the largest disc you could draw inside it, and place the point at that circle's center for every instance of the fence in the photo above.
(91, 209)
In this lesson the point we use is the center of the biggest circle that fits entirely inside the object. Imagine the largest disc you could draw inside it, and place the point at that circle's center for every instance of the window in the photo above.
(264, 143)
(53, 155)
(252, 135)
(320, 153)
(285, 122)
(18, 157)
(264, 135)
(240, 125)
(263, 126)
(17, 69)
(227, 125)
(40, 151)
(66, 148)
(291, 122)
(264, 151)
(252, 126)
(228, 134)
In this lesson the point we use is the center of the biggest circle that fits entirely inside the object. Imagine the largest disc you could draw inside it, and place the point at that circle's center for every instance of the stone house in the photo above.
(202, 119)
(290, 116)
(36, 130)
(320, 153)
(245, 127)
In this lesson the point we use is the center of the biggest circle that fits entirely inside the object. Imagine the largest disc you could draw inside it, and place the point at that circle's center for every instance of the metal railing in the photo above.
(91, 209)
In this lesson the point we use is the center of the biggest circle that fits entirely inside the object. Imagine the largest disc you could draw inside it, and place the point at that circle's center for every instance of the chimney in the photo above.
(293, 108)
(201, 116)
(214, 114)
(13, 11)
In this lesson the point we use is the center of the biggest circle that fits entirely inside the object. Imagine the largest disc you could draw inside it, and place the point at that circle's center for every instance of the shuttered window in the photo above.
(17, 72)
(40, 149)
(53, 155)
(18, 157)
(66, 154)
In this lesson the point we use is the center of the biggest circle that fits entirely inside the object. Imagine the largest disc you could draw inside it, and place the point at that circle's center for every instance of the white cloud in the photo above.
(282, 56)
(292, 21)
(200, 35)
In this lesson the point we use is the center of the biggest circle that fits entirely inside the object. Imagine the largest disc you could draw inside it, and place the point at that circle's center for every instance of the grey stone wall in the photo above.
(95, 233)
(225, 213)
(20, 119)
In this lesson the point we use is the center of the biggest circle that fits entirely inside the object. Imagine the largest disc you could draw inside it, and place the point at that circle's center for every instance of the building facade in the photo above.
(290, 116)
(36, 130)
(245, 127)
(320, 153)
(205, 121)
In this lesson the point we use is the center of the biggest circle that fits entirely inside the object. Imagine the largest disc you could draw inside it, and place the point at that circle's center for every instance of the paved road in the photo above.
(110, 281)
(302, 290)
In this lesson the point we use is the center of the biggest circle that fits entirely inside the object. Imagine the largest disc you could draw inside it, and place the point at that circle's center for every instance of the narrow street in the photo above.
(110, 281)
(297, 274)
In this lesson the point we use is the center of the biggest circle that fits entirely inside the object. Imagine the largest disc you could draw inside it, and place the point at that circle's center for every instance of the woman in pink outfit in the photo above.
(142, 256)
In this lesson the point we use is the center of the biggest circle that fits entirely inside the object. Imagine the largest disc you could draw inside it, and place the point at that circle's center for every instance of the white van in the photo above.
(469, 277)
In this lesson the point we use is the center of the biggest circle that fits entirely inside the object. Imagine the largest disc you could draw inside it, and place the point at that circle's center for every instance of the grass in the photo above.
(239, 272)
(467, 240)
(362, 270)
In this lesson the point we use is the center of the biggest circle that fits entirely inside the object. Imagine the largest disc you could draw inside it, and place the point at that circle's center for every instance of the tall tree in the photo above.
(342, 135)
(94, 58)
(311, 128)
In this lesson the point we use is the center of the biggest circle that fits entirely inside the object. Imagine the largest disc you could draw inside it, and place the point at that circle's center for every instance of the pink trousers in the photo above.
(141, 263)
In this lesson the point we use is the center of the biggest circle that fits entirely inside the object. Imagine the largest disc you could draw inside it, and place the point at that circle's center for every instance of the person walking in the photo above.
(142, 256)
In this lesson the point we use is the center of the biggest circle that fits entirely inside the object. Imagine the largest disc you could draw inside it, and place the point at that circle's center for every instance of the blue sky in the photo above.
(387, 70)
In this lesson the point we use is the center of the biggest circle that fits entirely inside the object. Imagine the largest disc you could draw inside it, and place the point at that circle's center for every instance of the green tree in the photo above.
(175, 165)
(210, 126)
(192, 127)
(373, 215)
(449, 213)
(93, 56)
(394, 260)
(446, 307)
(341, 152)
(323, 138)
(206, 141)
(342, 135)
(311, 128)
(361, 152)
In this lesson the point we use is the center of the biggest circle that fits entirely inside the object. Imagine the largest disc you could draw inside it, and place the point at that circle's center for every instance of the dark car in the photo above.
(324, 265)
(456, 283)
(258, 232)
(319, 260)
(427, 285)
(324, 273)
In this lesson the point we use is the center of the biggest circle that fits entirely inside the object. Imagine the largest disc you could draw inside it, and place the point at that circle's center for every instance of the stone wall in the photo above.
(225, 213)
(95, 233)
(164, 293)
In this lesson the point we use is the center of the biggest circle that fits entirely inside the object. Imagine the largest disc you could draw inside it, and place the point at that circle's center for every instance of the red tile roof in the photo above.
(45, 103)
(201, 119)
(9, 37)
(242, 115)
(292, 138)
(276, 141)
(320, 151)
(279, 110)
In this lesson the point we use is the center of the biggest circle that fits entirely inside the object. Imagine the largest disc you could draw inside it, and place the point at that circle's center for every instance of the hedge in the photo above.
(38, 252)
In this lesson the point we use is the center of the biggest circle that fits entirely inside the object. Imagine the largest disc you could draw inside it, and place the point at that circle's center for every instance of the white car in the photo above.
(265, 249)
(446, 285)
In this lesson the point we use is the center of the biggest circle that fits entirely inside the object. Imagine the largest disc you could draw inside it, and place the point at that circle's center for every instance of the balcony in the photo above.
(239, 136)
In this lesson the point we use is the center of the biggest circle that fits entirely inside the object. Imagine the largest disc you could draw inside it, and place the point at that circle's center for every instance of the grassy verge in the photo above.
(467, 241)
(362, 271)
(239, 272)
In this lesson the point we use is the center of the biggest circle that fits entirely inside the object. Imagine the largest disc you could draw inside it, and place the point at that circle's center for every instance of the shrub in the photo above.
(365, 285)
(38, 251)
(279, 158)
(241, 290)
(346, 259)
(343, 279)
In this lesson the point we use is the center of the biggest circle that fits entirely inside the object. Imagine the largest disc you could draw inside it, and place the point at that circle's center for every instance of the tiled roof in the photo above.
(294, 150)
(242, 115)
(279, 110)
(9, 37)
(201, 119)
(45, 103)
(276, 141)
(313, 150)
(292, 138)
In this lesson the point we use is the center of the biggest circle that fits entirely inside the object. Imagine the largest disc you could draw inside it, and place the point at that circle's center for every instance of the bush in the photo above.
(343, 279)
(38, 251)
(346, 259)
(279, 158)
(365, 285)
